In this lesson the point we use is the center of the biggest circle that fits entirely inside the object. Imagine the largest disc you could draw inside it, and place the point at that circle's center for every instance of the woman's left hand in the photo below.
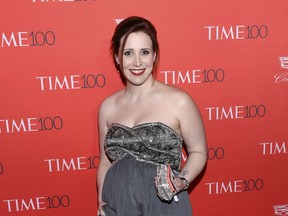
(179, 184)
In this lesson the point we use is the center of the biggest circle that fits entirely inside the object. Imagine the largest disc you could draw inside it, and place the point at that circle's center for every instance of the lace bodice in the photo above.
(152, 142)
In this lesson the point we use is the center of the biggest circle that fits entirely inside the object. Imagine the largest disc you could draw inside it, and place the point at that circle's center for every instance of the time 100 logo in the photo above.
(24, 39)
(31, 124)
(38, 203)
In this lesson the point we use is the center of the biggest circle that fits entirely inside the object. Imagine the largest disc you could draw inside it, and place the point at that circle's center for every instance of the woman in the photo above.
(143, 126)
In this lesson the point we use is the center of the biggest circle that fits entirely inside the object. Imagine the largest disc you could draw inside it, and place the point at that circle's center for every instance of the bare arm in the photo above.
(193, 133)
(104, 163)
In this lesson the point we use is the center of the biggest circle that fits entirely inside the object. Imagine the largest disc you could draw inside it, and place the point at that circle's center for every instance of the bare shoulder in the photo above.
(108, 104)
(176, 96)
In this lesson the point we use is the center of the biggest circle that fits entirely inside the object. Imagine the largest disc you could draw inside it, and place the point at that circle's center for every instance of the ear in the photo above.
(154, 57)
(117, 59)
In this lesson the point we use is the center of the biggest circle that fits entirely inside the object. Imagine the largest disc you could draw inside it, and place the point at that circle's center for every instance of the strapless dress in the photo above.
(135, 152)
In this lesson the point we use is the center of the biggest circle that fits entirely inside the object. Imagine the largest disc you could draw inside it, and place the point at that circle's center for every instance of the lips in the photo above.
(137, 72)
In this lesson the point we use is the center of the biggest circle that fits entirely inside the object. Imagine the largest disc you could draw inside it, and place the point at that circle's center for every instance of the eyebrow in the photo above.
(140, 49)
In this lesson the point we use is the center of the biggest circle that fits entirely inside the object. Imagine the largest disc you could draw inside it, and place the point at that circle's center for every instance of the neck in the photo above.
(138, 91)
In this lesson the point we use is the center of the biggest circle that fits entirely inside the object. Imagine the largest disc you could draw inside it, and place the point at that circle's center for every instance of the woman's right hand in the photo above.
(100, 209)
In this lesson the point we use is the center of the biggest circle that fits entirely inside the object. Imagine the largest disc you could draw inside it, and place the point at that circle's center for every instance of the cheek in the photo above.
(126, 62)
(150, 61)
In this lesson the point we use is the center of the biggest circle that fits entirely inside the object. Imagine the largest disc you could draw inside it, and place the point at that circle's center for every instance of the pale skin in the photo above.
(145, 99)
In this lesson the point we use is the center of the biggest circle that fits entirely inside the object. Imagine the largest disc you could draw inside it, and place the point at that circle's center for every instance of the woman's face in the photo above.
(137, 58)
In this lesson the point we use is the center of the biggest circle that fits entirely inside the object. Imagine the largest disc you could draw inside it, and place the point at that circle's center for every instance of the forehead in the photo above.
(138, 40)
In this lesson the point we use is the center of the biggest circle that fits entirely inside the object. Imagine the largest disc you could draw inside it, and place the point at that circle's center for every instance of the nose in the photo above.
(137, 61)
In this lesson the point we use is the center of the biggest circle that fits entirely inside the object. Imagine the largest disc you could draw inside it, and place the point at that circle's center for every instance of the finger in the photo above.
(101, 212)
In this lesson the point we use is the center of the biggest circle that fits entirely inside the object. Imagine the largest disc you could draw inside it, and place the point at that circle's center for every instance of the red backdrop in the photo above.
(230, 56)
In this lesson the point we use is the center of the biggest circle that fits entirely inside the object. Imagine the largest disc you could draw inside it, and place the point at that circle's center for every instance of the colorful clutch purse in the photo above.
(164, 182)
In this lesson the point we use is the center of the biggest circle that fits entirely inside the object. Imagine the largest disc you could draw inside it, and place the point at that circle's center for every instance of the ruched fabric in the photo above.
(128, 187)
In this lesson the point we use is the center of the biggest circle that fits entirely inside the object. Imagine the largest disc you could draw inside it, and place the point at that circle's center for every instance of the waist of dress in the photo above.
(149, 159)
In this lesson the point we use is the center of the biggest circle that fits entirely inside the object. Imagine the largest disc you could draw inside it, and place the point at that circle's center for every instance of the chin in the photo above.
(136, 83)
(137, 80)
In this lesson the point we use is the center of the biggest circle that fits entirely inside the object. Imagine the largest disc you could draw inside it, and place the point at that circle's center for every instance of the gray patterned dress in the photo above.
(128, 187)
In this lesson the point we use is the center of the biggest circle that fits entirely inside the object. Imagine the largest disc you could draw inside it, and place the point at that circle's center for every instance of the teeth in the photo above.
(137, 71)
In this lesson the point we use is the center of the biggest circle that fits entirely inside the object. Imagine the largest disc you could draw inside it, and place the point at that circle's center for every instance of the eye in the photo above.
(127, 53)
(145, 52)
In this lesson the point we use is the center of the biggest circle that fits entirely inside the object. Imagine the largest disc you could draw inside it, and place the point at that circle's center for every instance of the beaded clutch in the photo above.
(164, 182)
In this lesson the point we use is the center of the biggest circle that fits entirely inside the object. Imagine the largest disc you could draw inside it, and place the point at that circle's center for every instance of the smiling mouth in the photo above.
(137, 72)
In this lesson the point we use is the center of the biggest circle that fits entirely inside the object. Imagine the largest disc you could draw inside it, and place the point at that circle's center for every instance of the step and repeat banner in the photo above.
(56, 68)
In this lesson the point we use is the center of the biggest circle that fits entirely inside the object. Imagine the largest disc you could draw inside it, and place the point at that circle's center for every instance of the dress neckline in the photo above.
(147, 123)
